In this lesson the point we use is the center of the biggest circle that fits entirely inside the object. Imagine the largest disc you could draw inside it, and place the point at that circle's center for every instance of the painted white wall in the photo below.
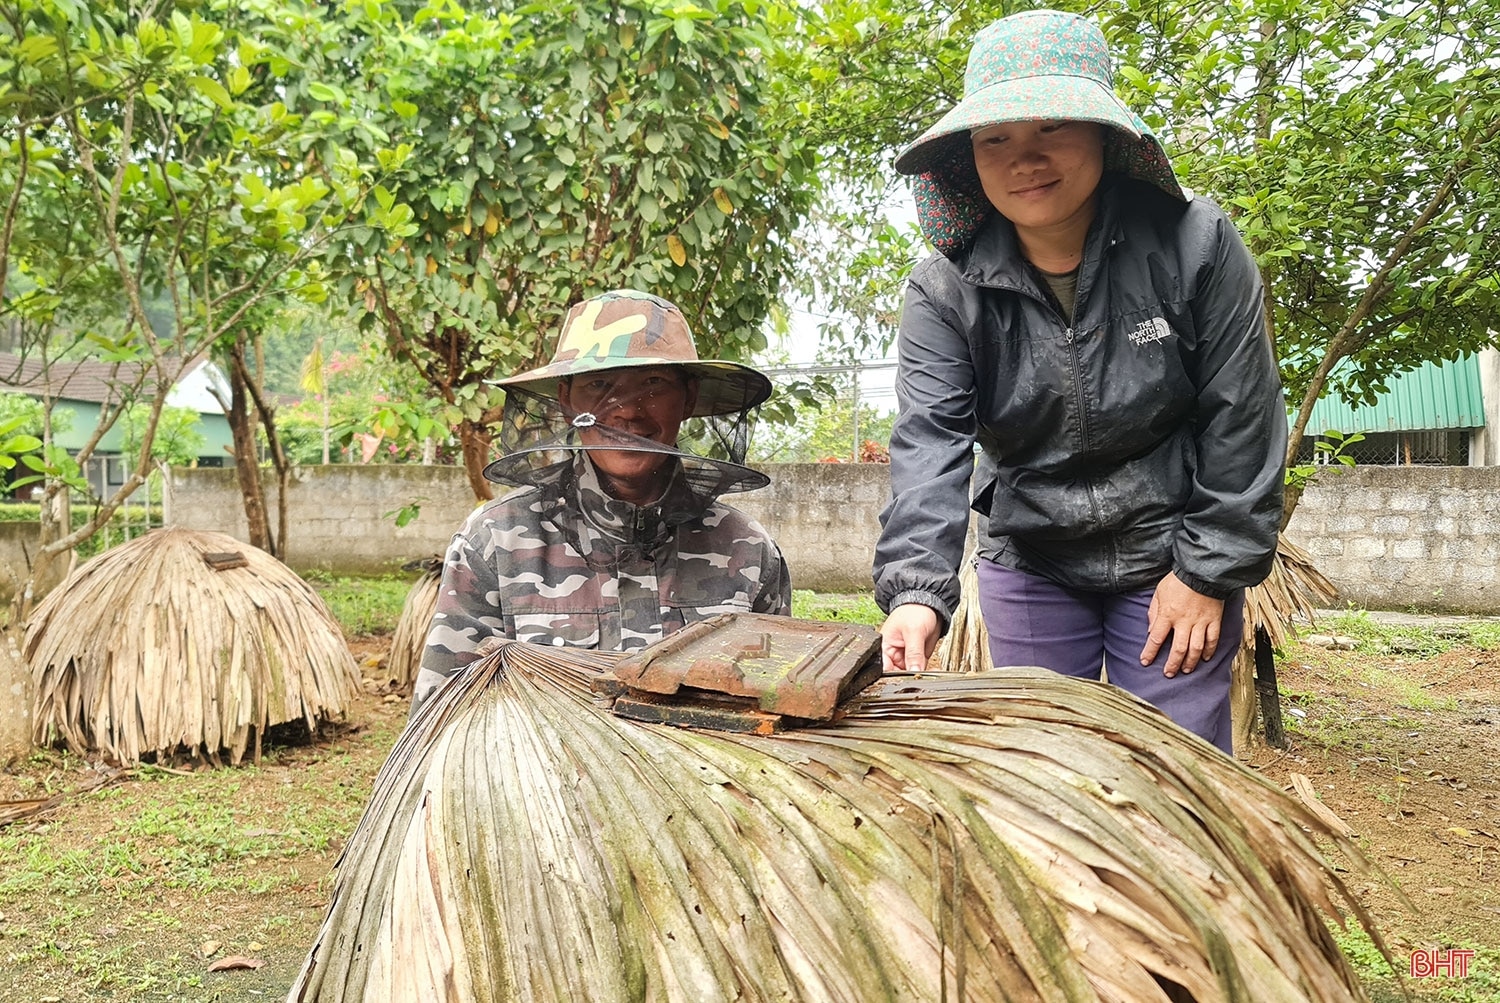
(1484, 447)
(192, 391)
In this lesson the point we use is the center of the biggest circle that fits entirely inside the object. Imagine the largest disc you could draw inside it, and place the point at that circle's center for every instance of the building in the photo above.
(1440, 414)
(84, 388)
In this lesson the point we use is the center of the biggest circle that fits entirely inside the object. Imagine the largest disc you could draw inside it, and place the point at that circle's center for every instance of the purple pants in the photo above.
(1031, 621)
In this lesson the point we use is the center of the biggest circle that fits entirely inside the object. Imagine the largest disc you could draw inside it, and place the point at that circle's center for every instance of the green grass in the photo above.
(110, 896)
(363, 606)
(203, 834)
(1480, 985)
(1412, 641)
(855, 608)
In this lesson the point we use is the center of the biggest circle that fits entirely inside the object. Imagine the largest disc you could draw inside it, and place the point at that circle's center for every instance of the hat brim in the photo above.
(723, 387)
(542, 464)
(1065, 98)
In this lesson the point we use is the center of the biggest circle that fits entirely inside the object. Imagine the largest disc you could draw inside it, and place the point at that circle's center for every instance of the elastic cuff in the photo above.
(1203, 586)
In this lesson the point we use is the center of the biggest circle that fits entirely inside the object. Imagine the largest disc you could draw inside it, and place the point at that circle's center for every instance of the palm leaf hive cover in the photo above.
(1013, 835)
(184, 640)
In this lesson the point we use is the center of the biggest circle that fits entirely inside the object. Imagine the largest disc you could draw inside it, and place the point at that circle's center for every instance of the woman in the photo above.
(1099, 333)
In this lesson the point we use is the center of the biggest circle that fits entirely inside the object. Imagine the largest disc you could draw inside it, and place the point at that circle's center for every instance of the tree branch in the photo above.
(1347, 339)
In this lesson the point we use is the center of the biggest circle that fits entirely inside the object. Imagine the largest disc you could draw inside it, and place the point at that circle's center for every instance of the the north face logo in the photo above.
(1147, 331)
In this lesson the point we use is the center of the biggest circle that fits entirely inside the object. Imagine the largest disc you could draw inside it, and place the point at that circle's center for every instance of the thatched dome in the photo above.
(982, 837)
(410, 637)
(184, 640)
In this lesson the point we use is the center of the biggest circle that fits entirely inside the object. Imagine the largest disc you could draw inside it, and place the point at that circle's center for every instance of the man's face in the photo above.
(649, 401)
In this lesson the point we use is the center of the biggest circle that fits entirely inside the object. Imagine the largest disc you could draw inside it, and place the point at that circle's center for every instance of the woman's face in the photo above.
(1041, 175)
(650, 402)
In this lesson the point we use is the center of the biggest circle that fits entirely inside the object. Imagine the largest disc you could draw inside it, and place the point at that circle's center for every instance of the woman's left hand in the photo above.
(1190, 618)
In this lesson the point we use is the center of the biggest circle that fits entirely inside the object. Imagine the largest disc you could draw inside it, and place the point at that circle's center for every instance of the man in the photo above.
(617, 537)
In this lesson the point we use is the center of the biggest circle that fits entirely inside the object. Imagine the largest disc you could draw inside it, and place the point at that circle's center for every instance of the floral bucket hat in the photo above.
(543, 432)
(1039, 65)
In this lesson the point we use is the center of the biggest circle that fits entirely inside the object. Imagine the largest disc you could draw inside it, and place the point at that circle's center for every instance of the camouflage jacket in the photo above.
(563, 563)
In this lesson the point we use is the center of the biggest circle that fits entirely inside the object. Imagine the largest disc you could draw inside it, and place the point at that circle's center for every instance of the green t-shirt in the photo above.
(1064, 289)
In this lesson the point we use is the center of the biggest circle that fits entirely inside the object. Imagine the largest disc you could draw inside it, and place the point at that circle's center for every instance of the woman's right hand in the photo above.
(907, 638)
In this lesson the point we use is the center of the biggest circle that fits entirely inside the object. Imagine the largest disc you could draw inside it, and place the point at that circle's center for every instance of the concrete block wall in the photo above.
(341, 517)
(825, 517)
(18, 542)
(1404, 537)
(1388, 537)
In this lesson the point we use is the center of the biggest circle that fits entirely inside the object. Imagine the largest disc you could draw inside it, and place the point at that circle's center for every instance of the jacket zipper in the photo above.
(1083, 433)
(1077, 366)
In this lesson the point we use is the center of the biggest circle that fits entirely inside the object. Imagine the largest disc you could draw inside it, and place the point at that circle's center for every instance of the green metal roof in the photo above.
(1438, 395)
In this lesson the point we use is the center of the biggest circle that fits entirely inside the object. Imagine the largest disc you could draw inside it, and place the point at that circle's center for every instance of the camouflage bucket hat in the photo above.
(544, 434)
(624, 328)
(1035, 66)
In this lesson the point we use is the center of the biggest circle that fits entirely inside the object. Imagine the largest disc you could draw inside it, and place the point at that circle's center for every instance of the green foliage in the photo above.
(406, 514)
(824, 429)
(14, 442)
(54, 464)
(31, 412)
(561, 150)
(1481, 984)
(1356, 148)
(1327, 450)
(289, 335)
(1357, 169)
(374, 406)
(159, 193)
(177, 440)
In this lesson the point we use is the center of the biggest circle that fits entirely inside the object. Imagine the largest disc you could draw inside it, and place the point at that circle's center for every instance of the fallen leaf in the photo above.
(209, 948)
(235, 961)
(255, 947)
(1439, 891)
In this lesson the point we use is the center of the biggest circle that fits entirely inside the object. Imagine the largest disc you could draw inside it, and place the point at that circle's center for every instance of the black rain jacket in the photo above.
(1148, 436)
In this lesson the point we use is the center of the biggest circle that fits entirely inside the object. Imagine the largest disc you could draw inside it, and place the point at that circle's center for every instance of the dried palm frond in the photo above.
(1007, 836)
(24, 808)
(966, 646)
(1294, 589)
(411, 630)
(147, 649)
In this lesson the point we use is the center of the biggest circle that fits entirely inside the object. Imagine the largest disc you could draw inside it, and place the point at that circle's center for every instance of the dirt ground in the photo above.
(132, 891)
(1406, 750)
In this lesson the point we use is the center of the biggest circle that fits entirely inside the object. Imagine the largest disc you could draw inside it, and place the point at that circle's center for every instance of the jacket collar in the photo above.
(995, 258)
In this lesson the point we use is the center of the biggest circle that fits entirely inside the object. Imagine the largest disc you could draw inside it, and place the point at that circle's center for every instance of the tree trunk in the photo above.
(474, 439)
(15, 698)
(246, 455)
(253, 383)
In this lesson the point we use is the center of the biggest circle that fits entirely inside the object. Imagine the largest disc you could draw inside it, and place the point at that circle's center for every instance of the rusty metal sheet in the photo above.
(725, 714)
(800, 668)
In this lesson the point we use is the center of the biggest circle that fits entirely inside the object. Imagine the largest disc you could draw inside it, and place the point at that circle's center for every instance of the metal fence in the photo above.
(1430, 448)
